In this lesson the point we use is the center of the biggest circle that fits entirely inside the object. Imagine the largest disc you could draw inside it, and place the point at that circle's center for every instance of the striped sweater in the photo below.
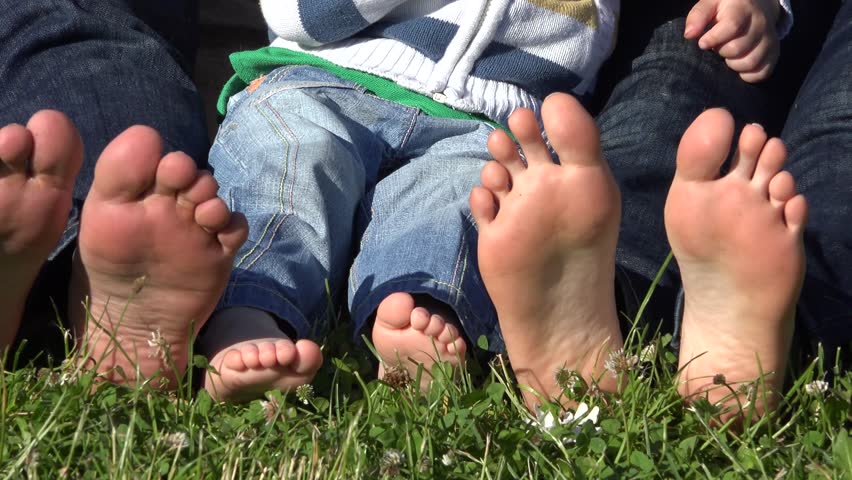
(482, 56)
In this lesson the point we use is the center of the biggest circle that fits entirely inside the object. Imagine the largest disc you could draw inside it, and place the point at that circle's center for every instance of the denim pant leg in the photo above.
(124, 74)
(669, 84)
(290, 158)
(421, 237)
(97, 62)
(818, 134)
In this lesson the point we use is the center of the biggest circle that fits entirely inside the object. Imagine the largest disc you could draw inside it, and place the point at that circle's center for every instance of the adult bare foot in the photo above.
(408, 332)
(738, 243)
(547, 236)
(154, 255)
(38, 164)
(251, 355)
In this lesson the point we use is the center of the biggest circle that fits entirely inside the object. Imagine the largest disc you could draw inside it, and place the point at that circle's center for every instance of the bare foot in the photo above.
(38, 164)
(408, 332)
(154, 255)
(738, 243)
(547, 236)
(252, 355)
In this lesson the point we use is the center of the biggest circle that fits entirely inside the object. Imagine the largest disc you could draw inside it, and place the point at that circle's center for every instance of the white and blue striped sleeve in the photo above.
(318, 22)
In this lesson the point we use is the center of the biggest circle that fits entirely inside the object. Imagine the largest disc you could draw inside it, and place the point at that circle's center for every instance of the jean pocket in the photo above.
(303, 76)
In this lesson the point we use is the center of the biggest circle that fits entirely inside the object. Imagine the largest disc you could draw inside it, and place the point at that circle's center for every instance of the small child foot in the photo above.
(738, 243)
(410, 331)
(251, 355)
(547, 236)
(38, 164)
(155, 250)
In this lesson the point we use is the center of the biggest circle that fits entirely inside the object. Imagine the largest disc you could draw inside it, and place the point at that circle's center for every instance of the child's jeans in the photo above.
(341, 187)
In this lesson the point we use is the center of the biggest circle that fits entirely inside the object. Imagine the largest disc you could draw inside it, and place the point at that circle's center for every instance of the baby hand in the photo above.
(743, 33)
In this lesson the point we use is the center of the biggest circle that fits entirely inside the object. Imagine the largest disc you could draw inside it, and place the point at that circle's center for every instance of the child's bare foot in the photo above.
(408, 332)
(252, 355)
(154, 255)
(547, 236)
(738, 243)
(38, 164)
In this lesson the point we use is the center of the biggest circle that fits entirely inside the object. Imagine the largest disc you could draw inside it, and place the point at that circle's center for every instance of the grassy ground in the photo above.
(55, 424)
(469, 426)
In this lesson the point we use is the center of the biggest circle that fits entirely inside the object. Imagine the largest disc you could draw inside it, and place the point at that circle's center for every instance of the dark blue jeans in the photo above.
(667, 86)
(671, 82)
(107, 64)
(107, 69)
(818, 134)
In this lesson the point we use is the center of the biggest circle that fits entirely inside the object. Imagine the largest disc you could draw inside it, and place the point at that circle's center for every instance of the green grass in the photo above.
(471, 425)
(61, 423)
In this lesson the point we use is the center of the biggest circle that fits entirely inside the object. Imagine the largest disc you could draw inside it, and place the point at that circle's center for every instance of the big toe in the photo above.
(127, 168)
(705, 146)
(308, 359)
(394, 311)
(57, 149)
(571, 130)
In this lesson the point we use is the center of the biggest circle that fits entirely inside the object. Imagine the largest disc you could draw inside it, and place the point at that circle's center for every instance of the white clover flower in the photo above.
(546, 421)
(305, 393)
(816, 388)
(648, 353)
(159, 346)
(619, 362)
(448, 459)
(176, 440)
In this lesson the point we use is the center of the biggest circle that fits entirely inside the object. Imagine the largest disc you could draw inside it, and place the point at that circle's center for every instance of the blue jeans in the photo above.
(124, 74)
(107, 64)
(340, 186)
(668, 85)
(818, 134)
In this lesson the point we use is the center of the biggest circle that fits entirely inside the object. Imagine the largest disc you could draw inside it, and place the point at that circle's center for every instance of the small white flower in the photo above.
(176, 440)
(582, 415)
(159, 346)
(448, 459)
(817, 387)
(619, 362)
(648, 353)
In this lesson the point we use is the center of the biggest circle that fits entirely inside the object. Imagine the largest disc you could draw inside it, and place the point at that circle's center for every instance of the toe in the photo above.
(213, 215)
(395, 311)
(202, 189)
(175, 172)
(705, 146)
(285, 352)
(505, 151)
(457, 347)
(250, 354)
(782, 188)
(483, 206)
(495, 177)
(752, 140)
(419, 319)
(16, 147)
(57, 148)
(571, 130)
(796, 213)
(233, 360)
(267, 354)
(525, 128)
(234, 234)
(308, 358)
(128, 165)
(771, 161)
(435, 327)
(449, 334)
